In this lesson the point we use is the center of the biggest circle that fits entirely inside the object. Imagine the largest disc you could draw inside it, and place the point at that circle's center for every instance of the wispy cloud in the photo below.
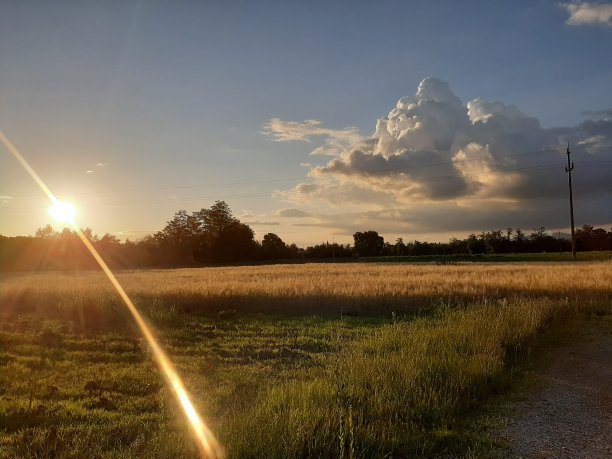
(585, 13)
(258, 223)
(96, 166)
(5, 199)
(335, 140)
(292, 213)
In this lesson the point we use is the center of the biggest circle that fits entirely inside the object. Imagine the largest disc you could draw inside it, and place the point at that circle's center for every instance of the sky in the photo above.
(313, 120)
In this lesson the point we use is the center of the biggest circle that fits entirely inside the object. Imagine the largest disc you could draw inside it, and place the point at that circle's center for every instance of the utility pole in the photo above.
(569, 168)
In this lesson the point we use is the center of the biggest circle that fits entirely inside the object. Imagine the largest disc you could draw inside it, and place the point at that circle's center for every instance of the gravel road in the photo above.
(571, 415)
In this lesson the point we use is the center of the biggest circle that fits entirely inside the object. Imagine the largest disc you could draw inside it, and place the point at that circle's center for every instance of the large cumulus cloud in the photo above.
(483, 158)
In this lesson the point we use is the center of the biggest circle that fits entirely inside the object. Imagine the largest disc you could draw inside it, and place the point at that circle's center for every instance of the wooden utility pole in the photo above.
(569, 168)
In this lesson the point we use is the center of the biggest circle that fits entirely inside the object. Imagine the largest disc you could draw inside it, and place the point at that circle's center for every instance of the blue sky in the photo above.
(135, 110)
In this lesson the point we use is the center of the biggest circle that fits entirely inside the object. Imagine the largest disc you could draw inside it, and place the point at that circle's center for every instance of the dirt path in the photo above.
(571, 415)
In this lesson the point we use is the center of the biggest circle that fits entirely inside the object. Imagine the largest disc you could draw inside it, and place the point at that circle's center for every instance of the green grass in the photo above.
(99, 394)
(77, 381)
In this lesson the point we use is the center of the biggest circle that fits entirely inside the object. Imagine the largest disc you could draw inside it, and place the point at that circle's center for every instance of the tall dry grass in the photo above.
(310, 288)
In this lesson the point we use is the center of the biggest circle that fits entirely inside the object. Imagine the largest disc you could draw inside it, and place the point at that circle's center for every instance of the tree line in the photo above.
(216, 236)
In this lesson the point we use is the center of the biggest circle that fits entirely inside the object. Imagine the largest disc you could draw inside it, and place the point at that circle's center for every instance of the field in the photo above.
(321, 360)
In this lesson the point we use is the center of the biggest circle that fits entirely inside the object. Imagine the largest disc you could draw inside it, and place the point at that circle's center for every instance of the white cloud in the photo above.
(483, 162)
(585, 13)
(5, 199)
(335, 140)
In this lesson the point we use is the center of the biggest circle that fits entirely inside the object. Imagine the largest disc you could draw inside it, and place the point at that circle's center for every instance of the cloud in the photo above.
(292, 213)
(598, 115)
(585, 13)
(435, 163)
(335, 140)
(258, 223)
(97, 165)
(5, 199)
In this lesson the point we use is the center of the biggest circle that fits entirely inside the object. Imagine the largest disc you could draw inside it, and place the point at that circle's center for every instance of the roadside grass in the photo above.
(308, 360)
(409, 389)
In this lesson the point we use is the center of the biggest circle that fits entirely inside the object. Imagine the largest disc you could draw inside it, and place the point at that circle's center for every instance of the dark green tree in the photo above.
(368, 243)
(273, 247)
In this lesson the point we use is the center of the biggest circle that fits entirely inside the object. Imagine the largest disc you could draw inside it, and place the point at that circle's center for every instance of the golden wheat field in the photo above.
(313, 360)
(319, 287)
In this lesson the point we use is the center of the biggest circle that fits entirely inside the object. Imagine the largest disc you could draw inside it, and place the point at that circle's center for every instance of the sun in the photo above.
(63, 212)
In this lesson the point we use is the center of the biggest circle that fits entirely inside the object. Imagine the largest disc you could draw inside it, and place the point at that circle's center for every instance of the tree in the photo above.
(89, 234)
(208, 235)
(495, 242)
(222, 237)
(542, 242)
(177, 242)
(217, 219)
(476, 244)
(519, 237)
(272, 247)
(46, 232)
(400, 247)
(457, 246)
(235, 243)
(368, 243)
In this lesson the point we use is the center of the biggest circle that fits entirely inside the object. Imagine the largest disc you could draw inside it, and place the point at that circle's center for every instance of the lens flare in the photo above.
(208, 446)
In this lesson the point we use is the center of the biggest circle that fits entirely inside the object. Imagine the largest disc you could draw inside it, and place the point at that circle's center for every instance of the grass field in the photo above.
(321, 360)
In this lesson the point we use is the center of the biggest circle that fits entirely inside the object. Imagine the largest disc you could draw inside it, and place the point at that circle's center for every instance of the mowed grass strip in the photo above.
(351, 361)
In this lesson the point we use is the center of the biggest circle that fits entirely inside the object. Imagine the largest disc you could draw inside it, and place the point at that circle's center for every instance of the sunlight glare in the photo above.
(63, 212)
